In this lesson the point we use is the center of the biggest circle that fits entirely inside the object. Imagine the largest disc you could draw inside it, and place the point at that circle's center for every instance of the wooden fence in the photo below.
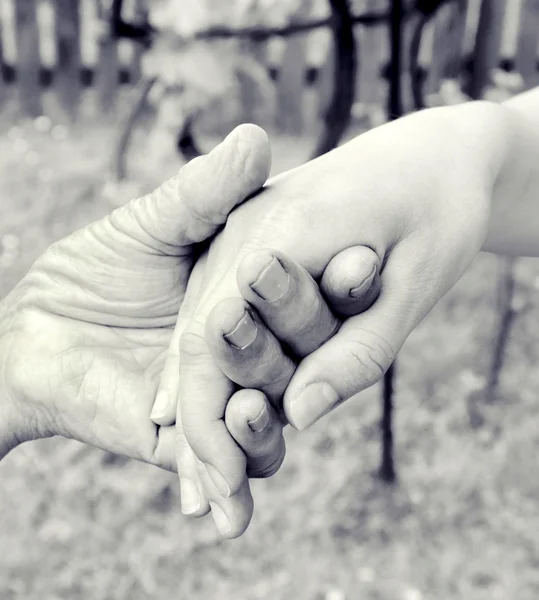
(61, 46)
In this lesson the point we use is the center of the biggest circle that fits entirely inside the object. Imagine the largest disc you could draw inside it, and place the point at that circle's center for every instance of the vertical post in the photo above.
(387, 465)
(506, 291)
(457, 32)
(326, 73)
(526, 58)
(250, 79)
(67, 76)
(373, 47)
(338, 114)
(2, 84)
(440, 49)
(28, 62)
(487, 45)
(394, 106)
(107, 73)
(139, 11)
(291, 82)
(395, 110)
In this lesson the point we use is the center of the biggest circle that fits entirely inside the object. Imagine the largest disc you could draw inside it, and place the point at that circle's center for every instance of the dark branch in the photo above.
(338, 115)
(138, 32)
(259, 33)
(387, 466)
(506, 292)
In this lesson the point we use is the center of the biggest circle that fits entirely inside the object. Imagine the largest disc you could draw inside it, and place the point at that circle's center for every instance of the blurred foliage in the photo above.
(196, 77)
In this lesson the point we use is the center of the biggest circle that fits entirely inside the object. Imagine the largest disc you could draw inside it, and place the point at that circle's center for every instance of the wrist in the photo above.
(485, 133)
(18, 414)
(10, 431)
(513, 222)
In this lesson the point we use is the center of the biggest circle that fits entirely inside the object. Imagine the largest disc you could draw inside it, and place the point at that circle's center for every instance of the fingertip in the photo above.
(255, 151)
(351, 280)
(233, 516)
(164, 409)
(349, 270)
(251, 266)
(224, 318)
(258, 430)
(247, 408)
(251, 132)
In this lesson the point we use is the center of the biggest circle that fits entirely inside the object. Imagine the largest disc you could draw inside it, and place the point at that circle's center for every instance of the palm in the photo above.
(99, 339)
(85, 334)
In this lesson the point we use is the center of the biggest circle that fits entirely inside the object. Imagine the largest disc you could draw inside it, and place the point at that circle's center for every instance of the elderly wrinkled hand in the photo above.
(85, 334)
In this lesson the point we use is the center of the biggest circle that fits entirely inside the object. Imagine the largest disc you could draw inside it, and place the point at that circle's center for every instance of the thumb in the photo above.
(364, 347)
(189, 207)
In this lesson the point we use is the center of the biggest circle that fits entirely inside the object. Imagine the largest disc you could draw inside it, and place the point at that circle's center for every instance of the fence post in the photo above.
(326, 76)
(2, 84)
(67, 76)
(526, 58)
(291, 82)
(487, 45)
(140, 14)
(28, 61)
(106, 69)
(458, 29)
(395, 107)
(373, 52)
(448, 26)
(395, 110)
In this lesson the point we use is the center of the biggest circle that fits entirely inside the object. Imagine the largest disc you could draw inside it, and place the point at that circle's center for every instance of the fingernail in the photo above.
(243, 334)
(189, 496)
(260, 421)
(220, 518)
(273, 282)
(313, 402)
(160, 406)
(219, 481)
(364, 286)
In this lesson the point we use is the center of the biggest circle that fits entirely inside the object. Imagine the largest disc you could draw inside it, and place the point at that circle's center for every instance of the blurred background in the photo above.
(426, 488)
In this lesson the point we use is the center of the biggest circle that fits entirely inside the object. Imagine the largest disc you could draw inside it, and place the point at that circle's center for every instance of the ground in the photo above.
(461, 522)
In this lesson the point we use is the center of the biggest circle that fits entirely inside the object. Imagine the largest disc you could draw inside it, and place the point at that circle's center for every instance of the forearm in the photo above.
(514, 222)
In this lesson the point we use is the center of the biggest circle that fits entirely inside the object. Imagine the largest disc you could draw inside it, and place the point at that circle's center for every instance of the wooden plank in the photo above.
(326, 74)
(487, 45)
(67, 75)
(107, 68)
(89, 40)
(459, 19)
(526, 58)
(510, 27)
(291, 82)
(251, 79)
(441, 48)
(3, 91)
(408, 28)
(373, 51)
(140, 14)
(28, 63)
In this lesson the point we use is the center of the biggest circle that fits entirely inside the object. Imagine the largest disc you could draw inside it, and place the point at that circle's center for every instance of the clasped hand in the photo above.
(140, 308)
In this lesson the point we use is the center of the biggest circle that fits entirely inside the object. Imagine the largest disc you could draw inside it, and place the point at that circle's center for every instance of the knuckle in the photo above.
(192, 187)
(192, 344)
(372, 356)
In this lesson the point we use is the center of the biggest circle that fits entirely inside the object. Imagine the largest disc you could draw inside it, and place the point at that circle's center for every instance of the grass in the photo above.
(461, 523)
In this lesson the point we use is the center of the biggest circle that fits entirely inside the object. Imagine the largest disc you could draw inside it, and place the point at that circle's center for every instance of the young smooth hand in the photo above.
(417, 192)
